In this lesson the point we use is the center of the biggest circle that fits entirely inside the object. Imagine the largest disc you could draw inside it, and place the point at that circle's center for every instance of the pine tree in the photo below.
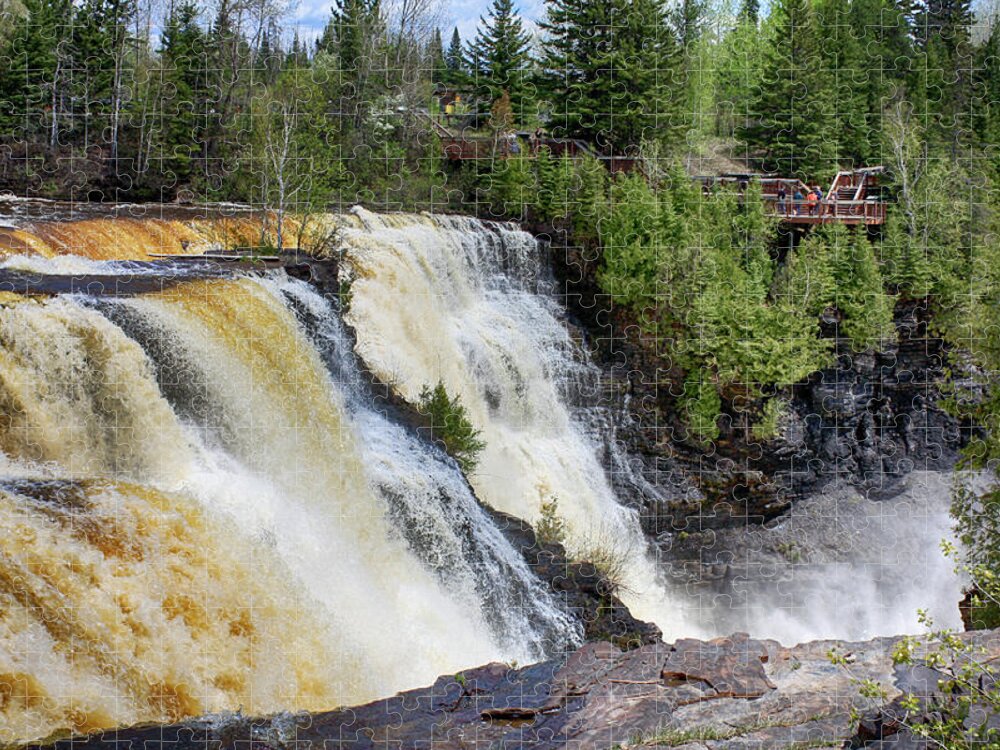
(31, 65)
(750, 11)
(100, 49)
(349, 32)
(792, 115)
(352, 36)
(943, 68)
(500, 55)
(435, 58)
(610, 66)
(182, 50)
(690, 17)
(738, 63)
(841, 61)
(298, 54)
(454, 60)
(881, 46)
(986, 105)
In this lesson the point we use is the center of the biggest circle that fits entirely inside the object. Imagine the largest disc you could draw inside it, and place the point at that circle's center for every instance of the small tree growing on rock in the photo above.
(449, 423)
(550, 527)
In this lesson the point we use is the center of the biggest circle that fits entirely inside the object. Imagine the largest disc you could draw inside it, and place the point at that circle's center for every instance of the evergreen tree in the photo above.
(738, 74)
(610, 70)
(349, 34)
(32, 64)
(182, 50)
(298, 55)
(454, 60)
(841, 61)
(101, 54)
(750, 11)
(351, 37)
(435, 58)
(881, 45)
(500, 55)
(690, 18)
(986, 105)
(943, 69)
(790, 124)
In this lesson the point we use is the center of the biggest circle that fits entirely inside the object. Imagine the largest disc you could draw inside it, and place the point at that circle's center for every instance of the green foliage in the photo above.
(792, 112)
(510, 187)
(702, 407)
(554, 176)
(959, 714)
(449, 423)
(835, 269)
(550, 527)
(182, 52)
(589, 186)
(456, 72)
(698, 270)
(977, 527)
(613, 63)
(769, 423)
(738, 62)
(500, 59)
(638, 228)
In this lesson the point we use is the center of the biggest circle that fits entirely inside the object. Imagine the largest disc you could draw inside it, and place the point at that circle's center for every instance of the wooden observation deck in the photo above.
(854, 198)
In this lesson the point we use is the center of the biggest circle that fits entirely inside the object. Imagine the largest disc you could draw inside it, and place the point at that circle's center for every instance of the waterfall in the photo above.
(208, 514)
(471, 304)
(133, 232)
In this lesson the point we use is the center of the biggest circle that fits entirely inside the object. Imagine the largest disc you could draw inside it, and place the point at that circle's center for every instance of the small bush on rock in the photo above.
(450, 424)
(550, 527)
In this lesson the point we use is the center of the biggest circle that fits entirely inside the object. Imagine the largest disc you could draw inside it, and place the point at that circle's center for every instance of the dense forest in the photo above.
(134, 100)
(142, 99)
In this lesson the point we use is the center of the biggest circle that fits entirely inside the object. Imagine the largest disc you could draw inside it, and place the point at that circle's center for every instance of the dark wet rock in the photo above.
(868, 420)
(582, 590)
(731, 693)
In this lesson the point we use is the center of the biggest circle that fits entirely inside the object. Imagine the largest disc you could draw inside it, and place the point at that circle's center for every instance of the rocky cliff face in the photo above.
(726, 694)
(867, 421)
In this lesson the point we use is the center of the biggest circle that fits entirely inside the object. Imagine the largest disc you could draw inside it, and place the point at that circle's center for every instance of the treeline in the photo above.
(126, 100)
(134, 99)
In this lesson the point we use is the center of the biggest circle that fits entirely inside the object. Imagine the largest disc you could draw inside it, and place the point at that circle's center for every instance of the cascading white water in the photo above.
(228, 413)
(431, 503)
(470, 304)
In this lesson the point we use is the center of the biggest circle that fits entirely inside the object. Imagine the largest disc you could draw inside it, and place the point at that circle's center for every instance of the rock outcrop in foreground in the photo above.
(723, 694)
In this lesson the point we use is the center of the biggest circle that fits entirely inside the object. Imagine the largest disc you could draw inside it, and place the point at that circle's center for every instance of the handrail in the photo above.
(872, 211)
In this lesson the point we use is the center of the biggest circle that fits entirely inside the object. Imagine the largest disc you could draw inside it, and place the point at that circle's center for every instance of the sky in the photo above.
(311, 15)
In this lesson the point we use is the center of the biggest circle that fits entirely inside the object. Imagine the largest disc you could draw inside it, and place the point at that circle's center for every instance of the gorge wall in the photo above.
(867, 421)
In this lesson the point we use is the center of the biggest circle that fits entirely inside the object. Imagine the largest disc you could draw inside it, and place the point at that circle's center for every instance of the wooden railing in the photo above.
(868, 211)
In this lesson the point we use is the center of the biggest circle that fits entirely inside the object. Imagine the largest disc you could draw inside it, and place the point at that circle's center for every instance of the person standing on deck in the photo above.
(782, 196)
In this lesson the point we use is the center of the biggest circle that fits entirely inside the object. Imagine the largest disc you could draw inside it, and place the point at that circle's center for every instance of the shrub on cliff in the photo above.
(449, 424)
(610, 552)
(550, 527)
(950, 698)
